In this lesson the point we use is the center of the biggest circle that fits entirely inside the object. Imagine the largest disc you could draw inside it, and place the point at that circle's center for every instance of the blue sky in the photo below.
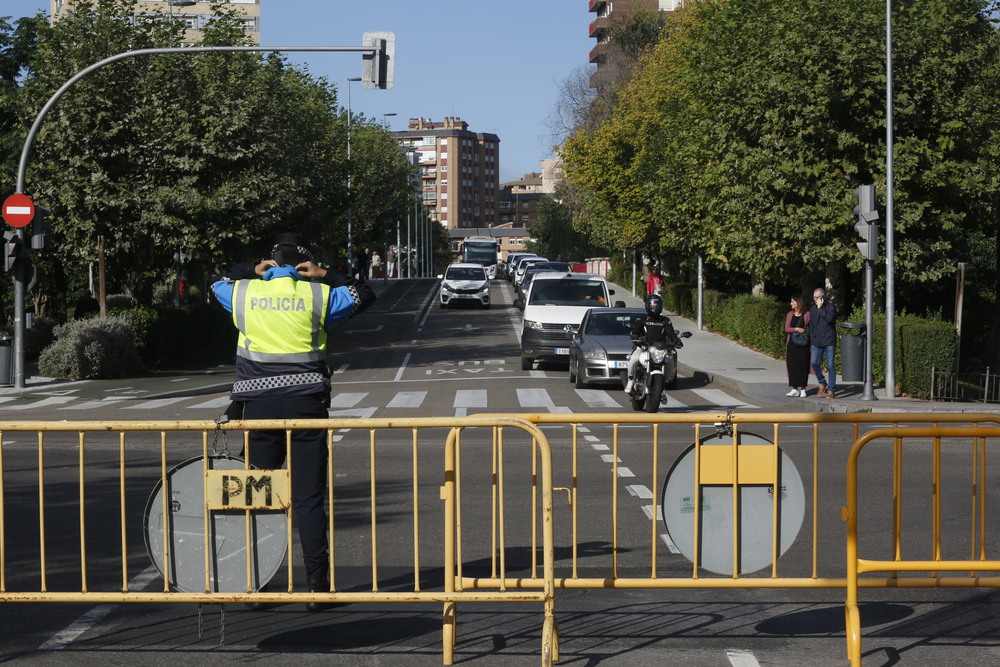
(497, 65)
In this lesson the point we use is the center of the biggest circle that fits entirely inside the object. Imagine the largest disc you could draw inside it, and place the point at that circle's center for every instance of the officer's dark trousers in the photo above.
(309, 463)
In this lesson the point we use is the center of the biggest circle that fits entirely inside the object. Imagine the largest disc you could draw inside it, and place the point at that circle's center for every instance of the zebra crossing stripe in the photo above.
(51, 400)
(721, 398)
(407, 399)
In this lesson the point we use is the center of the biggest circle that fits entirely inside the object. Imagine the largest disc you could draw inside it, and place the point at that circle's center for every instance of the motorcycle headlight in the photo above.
(657, 355)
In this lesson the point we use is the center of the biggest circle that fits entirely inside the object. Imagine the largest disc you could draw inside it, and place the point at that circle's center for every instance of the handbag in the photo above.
(800, 338)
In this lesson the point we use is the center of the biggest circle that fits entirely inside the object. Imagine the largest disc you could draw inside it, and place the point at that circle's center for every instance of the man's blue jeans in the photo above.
(817, 355)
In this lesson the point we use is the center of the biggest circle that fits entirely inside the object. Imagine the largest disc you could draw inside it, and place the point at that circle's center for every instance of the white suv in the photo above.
(465, 283)
(553, 309)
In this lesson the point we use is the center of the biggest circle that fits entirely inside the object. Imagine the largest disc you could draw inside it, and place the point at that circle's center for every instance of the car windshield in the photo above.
(465, 273)
(567, 293)
(609, 324)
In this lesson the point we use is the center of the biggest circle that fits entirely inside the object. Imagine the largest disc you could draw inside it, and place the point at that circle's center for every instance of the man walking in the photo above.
(823, 339)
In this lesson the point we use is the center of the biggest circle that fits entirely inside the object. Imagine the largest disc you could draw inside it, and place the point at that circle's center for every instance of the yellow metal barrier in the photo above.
(974, 442)
(656, 443)
(130, 451)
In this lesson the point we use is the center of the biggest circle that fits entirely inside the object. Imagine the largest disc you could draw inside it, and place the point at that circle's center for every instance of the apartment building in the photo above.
(519, 200)
(194, 13)
(458, 171)
(609, 11)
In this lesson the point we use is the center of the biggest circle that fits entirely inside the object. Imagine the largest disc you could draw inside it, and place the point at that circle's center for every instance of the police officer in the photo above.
(281, 373)
(654, 326)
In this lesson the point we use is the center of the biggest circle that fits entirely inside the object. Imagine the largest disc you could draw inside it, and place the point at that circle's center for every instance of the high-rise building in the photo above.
(195, 14)
(458, 171)
(609, 11)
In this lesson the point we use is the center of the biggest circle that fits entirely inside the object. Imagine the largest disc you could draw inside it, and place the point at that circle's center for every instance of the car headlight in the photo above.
(446, 287)
(531, 324)
(594, 354)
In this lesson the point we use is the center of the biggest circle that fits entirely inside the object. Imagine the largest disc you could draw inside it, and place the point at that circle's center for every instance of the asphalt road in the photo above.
(402, 359)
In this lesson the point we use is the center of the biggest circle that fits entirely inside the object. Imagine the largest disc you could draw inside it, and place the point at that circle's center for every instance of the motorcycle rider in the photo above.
(653, 327)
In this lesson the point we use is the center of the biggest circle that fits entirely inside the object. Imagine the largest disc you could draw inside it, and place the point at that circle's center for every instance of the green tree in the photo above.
(743, 134)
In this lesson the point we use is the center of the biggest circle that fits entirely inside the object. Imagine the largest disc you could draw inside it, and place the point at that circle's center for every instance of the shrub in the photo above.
(38, 337)
(100, 348)
(677, 298)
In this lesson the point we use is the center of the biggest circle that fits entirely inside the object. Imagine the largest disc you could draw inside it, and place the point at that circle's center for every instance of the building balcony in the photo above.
(597, 5)
(599, 26)
(428, 173)
(598, 53)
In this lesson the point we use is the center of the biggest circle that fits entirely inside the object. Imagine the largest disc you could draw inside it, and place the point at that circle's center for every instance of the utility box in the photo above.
(852, 352)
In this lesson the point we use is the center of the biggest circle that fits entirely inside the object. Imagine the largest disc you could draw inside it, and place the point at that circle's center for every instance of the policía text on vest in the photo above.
(277, 303)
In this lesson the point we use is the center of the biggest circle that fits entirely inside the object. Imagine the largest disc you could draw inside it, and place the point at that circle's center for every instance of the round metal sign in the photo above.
(756, 509)
(18, 210)
(185, 541)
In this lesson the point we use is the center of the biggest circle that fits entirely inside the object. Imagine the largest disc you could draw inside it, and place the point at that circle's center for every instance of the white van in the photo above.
(553, 309)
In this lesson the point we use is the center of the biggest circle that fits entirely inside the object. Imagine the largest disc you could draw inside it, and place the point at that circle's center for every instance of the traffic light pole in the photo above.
(868, 394)
(378, 64)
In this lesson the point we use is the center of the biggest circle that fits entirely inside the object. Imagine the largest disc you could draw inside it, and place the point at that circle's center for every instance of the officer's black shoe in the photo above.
(319, 582)
(257, 606)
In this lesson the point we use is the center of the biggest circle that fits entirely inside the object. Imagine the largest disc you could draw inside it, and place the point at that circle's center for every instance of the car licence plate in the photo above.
(617, 364)
(562, 350)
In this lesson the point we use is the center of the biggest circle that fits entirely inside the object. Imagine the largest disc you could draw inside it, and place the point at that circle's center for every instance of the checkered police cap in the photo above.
(289, 246)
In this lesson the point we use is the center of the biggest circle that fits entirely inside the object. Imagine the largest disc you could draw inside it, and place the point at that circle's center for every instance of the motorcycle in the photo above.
(657, 362)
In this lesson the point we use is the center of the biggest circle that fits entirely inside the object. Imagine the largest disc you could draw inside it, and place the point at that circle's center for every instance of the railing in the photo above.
(89, 478)
(499, 511)
(981, 387)
(947, 538)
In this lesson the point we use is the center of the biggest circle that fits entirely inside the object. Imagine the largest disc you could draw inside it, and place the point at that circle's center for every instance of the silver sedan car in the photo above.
(600, 349)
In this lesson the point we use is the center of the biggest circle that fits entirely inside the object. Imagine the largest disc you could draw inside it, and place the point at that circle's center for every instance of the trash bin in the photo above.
(6, 360)
(852, 352)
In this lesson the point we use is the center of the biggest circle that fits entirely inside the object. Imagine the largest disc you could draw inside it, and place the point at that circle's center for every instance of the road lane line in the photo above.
(402, 367)
(68, 635)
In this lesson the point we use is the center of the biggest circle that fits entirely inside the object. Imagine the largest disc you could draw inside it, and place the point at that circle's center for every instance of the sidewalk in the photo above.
(755, 374)
(709, 355)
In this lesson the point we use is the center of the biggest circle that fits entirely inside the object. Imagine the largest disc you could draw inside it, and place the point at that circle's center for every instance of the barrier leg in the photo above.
(853, 624)
(448, 633)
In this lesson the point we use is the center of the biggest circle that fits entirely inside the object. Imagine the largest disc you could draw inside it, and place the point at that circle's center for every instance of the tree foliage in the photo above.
(209, 155)
(743, 134)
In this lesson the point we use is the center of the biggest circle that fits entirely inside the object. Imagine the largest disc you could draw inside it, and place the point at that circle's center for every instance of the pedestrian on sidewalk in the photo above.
(823, 340)
(654, 283)
(797, 346)
(283, 308)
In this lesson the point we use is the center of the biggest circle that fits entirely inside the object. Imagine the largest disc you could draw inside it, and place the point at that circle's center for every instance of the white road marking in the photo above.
(739, 658)
(669, 542)
(214, 403)
(639, 491)
(402, 367)
(68, 635)
(597, 398)
(52, 400)
(721, 398)
(347, 400)
(407, 399)
(155, 403)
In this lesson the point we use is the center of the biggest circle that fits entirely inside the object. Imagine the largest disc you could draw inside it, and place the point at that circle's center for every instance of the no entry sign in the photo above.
(18, 210)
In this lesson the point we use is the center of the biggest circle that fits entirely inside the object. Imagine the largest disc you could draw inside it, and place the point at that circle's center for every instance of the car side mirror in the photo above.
(519, 304)
(611, 291)
(619, 304)
(441, 277)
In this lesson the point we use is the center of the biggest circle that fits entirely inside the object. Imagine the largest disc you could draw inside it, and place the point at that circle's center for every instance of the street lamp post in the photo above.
(177, 256)
(350, 178)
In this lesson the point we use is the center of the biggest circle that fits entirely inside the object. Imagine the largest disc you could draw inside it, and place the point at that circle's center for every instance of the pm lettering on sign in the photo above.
(247, 489)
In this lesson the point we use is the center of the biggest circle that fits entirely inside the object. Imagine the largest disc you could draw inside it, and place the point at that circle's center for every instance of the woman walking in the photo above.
(797, 346)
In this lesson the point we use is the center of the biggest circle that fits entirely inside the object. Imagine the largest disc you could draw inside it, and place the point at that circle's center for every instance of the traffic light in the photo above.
(40, 226)
(13, 250)
(377, 68)
(865, 226)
